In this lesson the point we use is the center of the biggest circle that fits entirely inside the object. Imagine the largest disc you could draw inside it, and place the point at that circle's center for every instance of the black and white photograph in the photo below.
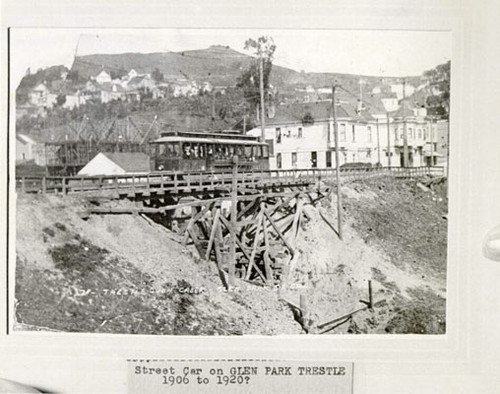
(249, 197)
(230, 181)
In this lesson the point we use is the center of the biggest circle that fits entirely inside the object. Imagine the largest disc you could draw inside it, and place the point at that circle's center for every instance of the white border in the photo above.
(83, 362)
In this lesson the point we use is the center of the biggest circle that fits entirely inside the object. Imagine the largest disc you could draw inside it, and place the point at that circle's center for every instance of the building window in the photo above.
(314, 159)
(419, 133)
(353, 133)
(278, 135)
(278, 161)
(294, 159)
(395, 134)
(328, 159)
(425, 133)
(411, 133)
(369, 128)
(300, 132)
(270, 143)
(342, 132)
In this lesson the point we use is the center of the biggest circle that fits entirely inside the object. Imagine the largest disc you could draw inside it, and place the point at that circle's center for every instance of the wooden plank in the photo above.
(240, 244)
(196, 242)
(218, 253)
(195, 218)
(212, 234)
(256, 240)
(282, 237)
(283, 203)
(231, 233)
(267, 259)
(248, 207)
(296, 219)
(323, 325)
(104, 211)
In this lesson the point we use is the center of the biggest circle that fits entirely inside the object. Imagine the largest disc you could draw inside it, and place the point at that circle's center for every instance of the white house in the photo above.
(112, 91)
(40, 96)
(103, 77)
(300, 135)
(398, 89)
(122, 163)
(25, 148)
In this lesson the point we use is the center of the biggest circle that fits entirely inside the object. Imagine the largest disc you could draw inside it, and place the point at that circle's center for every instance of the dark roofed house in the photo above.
(121, 163)
(301, 135)
(112, 91)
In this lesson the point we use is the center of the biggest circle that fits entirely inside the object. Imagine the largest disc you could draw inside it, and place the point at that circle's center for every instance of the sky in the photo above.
(364, 52)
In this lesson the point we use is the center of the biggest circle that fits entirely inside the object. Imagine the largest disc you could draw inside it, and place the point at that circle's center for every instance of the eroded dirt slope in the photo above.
(127, 274)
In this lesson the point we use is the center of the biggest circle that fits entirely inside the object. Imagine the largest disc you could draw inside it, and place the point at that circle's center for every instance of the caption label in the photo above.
(239, 376)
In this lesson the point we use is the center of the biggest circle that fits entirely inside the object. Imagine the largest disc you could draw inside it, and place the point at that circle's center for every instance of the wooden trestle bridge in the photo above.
(246, 222)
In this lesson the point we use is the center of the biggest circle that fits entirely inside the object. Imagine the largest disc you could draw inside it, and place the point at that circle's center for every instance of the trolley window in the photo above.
(265, 151)
(186, 150)
(248, 152)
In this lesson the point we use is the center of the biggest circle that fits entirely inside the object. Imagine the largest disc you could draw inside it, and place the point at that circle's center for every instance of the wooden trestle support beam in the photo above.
(265, 233)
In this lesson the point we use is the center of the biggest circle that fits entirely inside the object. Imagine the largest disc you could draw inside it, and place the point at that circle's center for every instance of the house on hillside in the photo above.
(390, 101)
(25, 148)
(122, 163)
(141, 81)
(103, 77)
(127, 77)
(73, 97)
(183, 87)
(398, 89)
(40, 96)
(112, 91)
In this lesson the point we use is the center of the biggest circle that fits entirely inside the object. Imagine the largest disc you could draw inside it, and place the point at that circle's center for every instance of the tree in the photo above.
(157, 75)
(249, 80)
(60, 99)
(439, 80)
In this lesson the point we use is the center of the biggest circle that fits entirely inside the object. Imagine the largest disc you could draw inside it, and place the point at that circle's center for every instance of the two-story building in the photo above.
(300, 135)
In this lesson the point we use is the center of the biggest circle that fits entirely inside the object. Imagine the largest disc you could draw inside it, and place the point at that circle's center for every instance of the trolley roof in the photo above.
(206, 134)
(222, 141)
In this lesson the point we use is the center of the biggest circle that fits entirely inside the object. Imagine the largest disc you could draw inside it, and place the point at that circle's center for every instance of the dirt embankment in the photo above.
(126, 274)
(394, 235)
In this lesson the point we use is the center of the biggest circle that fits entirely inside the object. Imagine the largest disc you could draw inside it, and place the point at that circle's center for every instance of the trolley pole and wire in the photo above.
(337, 161)
(262, 109)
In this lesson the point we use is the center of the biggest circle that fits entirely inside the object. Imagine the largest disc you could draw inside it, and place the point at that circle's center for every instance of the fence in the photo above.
(184, 181)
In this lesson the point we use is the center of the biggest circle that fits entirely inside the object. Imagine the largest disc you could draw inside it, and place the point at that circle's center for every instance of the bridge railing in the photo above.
(176, 181)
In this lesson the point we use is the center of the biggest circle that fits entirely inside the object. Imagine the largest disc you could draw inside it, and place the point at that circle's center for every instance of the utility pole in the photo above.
(388, 141)
(213, 110)
(337, 161)
(432, 142)
(234, 201)
(378, 144)
(405, 136)
(262, 110)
